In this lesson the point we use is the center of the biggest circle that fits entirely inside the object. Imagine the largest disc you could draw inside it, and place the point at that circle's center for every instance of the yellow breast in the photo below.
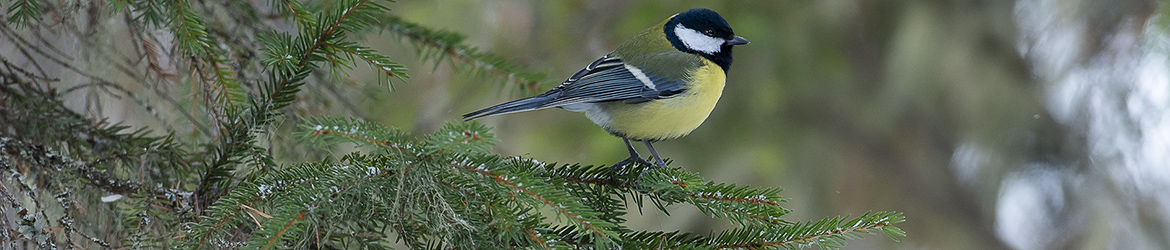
(665, 118)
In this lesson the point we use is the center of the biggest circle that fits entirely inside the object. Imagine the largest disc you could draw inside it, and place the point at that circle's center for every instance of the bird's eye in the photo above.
(709, 32)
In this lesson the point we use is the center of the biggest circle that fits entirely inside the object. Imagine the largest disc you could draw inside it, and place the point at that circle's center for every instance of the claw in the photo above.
(622, 163)
(632, 159)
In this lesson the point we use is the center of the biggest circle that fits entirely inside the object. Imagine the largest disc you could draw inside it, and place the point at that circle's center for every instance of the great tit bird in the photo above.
(660, 84)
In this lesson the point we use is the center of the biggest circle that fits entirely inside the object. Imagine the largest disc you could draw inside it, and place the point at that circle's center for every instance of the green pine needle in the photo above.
(24, 12)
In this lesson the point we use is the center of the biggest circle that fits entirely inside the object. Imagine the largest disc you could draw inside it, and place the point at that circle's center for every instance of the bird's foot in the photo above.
(625, 164)
(658, 164)
(632, 159)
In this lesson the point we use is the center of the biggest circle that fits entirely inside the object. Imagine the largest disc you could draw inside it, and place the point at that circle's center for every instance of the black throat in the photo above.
(723, 58)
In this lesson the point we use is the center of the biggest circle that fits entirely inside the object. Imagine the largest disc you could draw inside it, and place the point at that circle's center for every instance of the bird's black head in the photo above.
(703, 32)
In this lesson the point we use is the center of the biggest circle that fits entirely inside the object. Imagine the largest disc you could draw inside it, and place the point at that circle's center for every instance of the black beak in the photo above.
(737, 40)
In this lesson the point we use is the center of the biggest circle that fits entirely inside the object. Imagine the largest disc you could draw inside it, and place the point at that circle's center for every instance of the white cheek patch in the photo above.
(697, 41)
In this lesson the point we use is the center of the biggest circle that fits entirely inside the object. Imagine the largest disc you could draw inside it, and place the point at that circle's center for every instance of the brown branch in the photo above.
(292, 222)
(329, 31)
(838, 231)
(598, 181)
(735, 199)
(532, 235)
(763, 201)
(179, 4)
(291, 10)
(225, 219)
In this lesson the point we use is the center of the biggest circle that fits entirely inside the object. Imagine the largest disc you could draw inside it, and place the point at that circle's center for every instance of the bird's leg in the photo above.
(633, 156)
(654, 153)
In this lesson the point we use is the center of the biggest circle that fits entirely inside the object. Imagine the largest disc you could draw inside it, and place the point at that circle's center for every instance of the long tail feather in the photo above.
(532, 103)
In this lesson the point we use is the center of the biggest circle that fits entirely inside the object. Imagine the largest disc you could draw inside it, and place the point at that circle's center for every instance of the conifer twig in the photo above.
(448, 44)
(526, 191)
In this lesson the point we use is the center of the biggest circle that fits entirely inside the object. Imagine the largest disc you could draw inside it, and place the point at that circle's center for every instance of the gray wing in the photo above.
(610, 79)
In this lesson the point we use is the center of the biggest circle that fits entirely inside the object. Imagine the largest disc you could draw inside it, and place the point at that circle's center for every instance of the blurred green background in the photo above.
(1033, 124)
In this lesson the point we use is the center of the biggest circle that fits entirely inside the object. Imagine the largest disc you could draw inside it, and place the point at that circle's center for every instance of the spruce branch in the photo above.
(673, 185)
(300, 195)
(328, 131)
(532, 235)
(466, 138)
(190, 32)
(208, 63)
(59, 165)
(192, 39)
(24, 12)
(829, 233)
(826, 233)
(57, 161)
(741, 204)
(561, 202)
(376, 61)
(293, 9)
(226, 90)
(291, 61)
(37, 120)
(436, 45)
